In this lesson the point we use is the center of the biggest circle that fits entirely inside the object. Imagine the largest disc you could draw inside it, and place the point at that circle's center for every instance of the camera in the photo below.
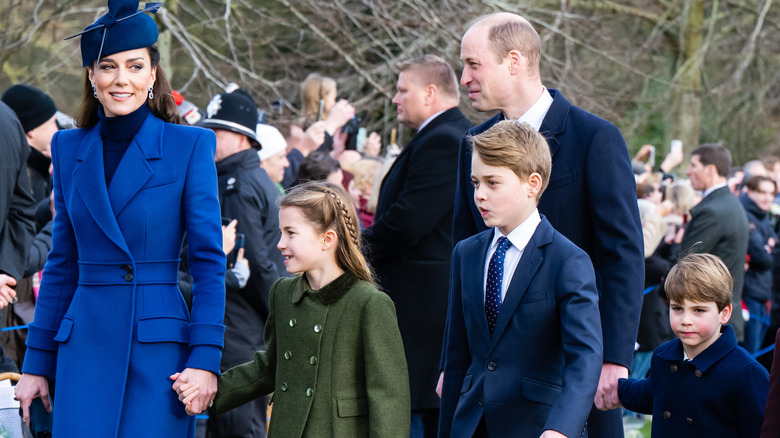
(353, 125)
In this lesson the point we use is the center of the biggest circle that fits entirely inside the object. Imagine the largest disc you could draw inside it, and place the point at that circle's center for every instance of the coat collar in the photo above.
(554, 122)
(707, 358)
(328, 294)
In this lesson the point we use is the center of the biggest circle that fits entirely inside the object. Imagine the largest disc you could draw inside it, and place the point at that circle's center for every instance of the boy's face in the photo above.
(501, 197)
(697, 324)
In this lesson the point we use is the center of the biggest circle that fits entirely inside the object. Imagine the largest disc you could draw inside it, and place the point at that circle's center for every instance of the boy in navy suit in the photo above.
(701, 384)
(523, 345)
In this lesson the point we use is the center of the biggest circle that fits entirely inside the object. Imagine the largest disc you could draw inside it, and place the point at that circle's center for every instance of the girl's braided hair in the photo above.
(328, 206)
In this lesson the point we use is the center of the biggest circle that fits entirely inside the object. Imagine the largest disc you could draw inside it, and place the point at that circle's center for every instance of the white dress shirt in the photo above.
(712, 189)
(538, 111)
(428, 120)
(519, 237)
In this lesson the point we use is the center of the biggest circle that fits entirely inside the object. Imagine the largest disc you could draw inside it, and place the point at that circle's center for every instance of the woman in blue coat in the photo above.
(111, 325)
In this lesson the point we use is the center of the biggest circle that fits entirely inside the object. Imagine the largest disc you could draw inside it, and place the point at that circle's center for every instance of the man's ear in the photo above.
(430, 94)
(329, 239)
(516, 62)
(534, 184)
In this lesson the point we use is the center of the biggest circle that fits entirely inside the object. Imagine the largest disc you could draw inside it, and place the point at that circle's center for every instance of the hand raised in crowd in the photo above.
(7, 293)
(373, 145)
(229, 236)
(313, 137)
(339, 144)
(28, 388)
(607, 392)
(205, 383)
(339, 115)
(671, 161)
(644, 153)
(240, 260)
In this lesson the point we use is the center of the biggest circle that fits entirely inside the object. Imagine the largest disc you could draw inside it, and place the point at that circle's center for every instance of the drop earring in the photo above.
(94, 90)
(151, 93)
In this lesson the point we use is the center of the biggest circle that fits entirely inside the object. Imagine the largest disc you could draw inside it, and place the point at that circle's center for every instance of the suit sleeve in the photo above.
(752, 388)
(58, 285)
(637, 394)
(425, 199)
(205, 256)
(387, 377)
(577, 302)
(463, 225)
(39, 250)
(17, 226)
(618, 257)
(246, 382)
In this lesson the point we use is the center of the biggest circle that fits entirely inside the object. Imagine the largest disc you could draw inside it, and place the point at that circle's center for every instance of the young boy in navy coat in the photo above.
(701, 384)
(523, 346)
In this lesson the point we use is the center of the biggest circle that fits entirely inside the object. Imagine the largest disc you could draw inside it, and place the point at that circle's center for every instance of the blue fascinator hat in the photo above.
(123, 28)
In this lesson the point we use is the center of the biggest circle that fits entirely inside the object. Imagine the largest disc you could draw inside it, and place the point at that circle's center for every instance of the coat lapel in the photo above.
(555, 121)
(134, 170)
(476, 283)
(89, 179)
(526, 270)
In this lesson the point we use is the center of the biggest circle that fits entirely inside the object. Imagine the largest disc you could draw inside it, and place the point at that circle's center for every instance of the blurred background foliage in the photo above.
(701, 71)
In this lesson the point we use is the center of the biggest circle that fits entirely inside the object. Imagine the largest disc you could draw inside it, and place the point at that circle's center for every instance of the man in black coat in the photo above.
(247, 194)
(409, 243)
(718, 223)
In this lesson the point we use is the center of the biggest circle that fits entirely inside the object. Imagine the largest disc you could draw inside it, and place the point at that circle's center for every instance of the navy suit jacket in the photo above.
(591, 199)
(541, 367)
(409, 245)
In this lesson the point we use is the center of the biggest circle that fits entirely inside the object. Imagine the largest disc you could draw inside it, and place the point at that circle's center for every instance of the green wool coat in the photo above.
(334, 360)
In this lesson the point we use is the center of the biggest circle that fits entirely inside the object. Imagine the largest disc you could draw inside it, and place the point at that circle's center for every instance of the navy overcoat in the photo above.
(110, 324)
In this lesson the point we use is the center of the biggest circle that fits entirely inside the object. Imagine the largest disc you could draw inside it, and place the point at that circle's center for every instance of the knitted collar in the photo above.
(328, 294)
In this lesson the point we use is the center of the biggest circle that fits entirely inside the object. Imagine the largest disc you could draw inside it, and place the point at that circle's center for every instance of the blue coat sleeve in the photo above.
(205, 255)
(637, 394)
(752, 391)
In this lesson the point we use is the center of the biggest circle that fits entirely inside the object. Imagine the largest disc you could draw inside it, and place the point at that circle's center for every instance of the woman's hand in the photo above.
(229, 236)
(29, 387)
(205, 384)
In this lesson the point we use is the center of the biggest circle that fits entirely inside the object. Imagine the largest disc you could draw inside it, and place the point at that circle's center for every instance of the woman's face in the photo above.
(122, 81)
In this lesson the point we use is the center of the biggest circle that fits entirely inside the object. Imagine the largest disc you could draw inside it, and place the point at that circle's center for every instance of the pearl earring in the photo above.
(151, 93)
(94, 90)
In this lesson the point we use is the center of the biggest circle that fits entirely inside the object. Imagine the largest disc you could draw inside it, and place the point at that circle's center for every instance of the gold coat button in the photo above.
(283, 386)
(309, 392)
(292, 322)
(317, 328)
(698, 373)
(673, 368)
(287, 355)
(313, 360)
(667, 415)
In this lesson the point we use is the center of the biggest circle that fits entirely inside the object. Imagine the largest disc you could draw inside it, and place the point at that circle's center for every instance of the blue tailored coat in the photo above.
(541, 367)
(110, 324)
(719, 393)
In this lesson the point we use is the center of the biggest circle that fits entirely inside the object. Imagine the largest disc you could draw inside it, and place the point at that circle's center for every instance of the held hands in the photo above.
(196, 389)
(552, 434)
(29, 387)
(607, 392)
(7, 294)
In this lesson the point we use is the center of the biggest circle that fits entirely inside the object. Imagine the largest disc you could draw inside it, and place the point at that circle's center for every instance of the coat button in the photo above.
(673, 368)
(317, 328)
(689, 421)
(667, 415)
(128, 277)
(309, 392)
(283, 386)
(698, 373)
(481, 403)
(287, 355)
(293, 322)
(313, 360)
(491, 366)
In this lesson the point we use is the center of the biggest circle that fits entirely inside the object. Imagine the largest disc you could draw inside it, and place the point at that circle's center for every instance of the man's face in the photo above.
(699, 174)
(410, 99)
(484, 77)
(40, 137)
(228, 143)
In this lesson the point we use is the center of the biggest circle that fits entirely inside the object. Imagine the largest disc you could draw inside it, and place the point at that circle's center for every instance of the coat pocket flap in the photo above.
(466, 383)
(352, 407)
(66, 326)
(540, 392)
(163, 329)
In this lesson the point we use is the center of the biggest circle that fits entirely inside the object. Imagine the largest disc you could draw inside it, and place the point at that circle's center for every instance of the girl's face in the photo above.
(122, 81)
(304, 248)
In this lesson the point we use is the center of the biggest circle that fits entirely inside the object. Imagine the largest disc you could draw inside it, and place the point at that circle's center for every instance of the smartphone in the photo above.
(676, 145)
(651, 160)
(239, 241)
(320, 109)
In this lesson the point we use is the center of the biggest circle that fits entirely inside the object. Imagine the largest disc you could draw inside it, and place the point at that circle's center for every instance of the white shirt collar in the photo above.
(538, 111)
(712, 189)
(428, 120)
(521, 235)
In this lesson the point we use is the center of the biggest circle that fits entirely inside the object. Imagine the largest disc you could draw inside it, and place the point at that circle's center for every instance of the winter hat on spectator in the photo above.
(32, 106)
(235, 112)
(272, 140)
(123, 28)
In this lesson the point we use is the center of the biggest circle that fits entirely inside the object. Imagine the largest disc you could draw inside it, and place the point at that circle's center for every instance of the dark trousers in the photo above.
(425, 423)
(245, 421)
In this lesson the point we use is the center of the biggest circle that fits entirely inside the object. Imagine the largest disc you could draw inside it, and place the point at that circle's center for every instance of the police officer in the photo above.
(247, 194)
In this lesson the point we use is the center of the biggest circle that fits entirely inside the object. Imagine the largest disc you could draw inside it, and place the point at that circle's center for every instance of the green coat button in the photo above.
(313, 360)
(309, 392)
(317, 328)
(287, 355)
(292, 322)
(283, 386)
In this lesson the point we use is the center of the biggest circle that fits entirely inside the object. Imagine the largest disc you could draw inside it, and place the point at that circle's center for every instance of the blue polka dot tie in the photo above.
(495, 276)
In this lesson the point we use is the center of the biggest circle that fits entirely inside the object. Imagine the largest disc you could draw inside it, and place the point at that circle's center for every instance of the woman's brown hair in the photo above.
(163, 106)
(328, 207)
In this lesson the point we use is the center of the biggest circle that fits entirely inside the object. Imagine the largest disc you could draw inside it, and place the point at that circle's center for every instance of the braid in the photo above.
(342, 210)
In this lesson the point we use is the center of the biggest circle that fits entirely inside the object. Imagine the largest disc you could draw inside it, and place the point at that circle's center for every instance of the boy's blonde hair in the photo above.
(701, 278)
(516, 146)
(328, 206)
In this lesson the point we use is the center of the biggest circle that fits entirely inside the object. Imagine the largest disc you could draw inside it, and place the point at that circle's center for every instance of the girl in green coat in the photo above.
(334, 357)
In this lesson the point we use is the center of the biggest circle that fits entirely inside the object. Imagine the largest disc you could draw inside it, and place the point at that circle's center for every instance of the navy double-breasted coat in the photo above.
(110, 323)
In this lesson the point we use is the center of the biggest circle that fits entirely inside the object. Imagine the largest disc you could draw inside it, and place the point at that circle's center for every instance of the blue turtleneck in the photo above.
(117, 132)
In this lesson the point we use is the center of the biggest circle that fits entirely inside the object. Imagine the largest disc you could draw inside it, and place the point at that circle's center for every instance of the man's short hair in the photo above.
(434, 70)
(713, 153)
(701, 278)
(516, 146)
(509, 32)
(754, 182)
